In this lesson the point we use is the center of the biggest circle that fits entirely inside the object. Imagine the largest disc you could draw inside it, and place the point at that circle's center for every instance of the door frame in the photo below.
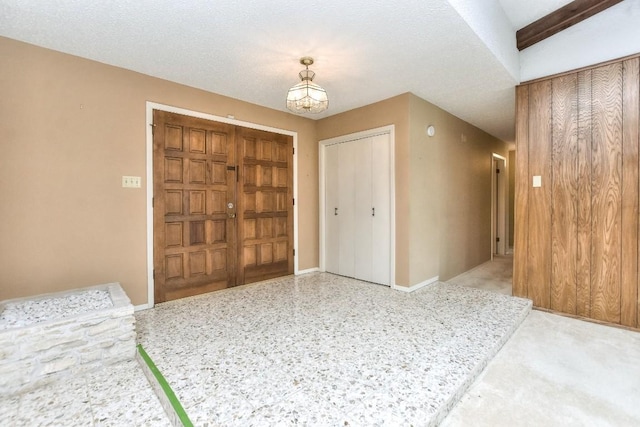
(499, 215)
(390, 130)
(150, 106)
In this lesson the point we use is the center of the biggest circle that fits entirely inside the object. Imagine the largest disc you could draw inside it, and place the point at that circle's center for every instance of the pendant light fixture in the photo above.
(306, 96)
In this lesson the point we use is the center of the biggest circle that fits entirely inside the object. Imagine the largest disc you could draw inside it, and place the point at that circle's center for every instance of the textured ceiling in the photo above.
(523, 13)
(365, 50)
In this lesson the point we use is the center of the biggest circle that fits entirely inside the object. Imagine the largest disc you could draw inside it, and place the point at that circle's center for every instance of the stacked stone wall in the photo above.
(37, 354)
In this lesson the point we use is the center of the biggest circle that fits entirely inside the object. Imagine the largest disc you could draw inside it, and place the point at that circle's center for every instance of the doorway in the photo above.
(222, 205)
(498, 205)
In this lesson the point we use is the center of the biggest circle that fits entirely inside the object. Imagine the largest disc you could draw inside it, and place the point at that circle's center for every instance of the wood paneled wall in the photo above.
(576, 236)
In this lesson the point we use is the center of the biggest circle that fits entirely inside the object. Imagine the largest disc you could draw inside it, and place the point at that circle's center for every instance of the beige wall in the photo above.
(69, 129)
(392, 111)
(443, 185)
(425, 189)
(451, 193)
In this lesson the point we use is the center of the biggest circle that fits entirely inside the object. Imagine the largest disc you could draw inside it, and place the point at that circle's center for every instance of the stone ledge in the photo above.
(43, 352)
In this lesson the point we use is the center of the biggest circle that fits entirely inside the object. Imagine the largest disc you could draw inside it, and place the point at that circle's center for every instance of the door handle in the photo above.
(373, 211)
(231, 215)
(335, 212)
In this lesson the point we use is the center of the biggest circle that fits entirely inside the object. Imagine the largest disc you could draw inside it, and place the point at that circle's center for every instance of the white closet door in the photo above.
(363, 227)
(346, 207)
(357, 209)
(332, 223)
(381, 198)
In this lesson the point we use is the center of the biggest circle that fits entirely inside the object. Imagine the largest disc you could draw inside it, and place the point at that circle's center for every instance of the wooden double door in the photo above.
(223, 205)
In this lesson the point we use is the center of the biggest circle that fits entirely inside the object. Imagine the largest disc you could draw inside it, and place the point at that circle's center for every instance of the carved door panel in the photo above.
(265, 210)
(220, 219)
(194, 206)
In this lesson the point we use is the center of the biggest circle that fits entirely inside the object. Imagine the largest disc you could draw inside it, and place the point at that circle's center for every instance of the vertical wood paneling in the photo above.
(564, 165)
(629, 273)
(606, 185)
(521, 194)
(581, 229)
(583, 261)
(539, 253)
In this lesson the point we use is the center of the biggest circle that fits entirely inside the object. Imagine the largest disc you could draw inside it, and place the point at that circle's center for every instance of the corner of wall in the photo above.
(450, 193)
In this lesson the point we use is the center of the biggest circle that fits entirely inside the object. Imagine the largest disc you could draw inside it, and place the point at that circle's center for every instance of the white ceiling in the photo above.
(522, 13)
(458, 54)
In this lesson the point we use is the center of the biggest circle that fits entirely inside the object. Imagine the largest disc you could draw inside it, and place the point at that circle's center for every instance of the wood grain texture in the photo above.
(268, 252)
(539, 252)
(583, 256)
(223, 213)
(629, 273)
(584, 129)
(188, 258)
(561, 19)
(606, 195)
(564, 189)
(521, 227)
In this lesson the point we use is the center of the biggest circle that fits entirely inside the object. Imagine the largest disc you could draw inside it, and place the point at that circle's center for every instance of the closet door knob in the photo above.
(335, 211)
(373, 211)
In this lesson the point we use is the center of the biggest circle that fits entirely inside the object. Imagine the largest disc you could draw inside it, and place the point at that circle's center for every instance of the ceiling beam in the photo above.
(561, 19)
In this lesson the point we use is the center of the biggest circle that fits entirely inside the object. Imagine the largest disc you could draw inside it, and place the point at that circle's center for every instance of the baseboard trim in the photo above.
(307, 271)
(416, 286)
(141, 307)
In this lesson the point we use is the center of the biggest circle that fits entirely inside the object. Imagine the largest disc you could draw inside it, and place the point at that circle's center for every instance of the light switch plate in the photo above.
(131, 181)
(537, 181)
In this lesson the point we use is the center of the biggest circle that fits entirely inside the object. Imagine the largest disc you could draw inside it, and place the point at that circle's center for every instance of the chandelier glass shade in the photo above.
(306, 96)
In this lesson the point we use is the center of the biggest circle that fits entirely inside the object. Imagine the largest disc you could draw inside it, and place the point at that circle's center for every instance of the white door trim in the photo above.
(150, 106)
(500, 216)
(390, 130)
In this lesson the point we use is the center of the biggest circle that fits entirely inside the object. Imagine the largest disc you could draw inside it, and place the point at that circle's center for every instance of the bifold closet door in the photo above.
(332, 223)
(381, 202)
(357, 209)
(348, 155)
(363, 211)
(348, 209)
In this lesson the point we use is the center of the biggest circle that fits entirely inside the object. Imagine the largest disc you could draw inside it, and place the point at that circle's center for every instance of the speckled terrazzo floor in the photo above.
(320, 349)
(316, 350)
(115, 396)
